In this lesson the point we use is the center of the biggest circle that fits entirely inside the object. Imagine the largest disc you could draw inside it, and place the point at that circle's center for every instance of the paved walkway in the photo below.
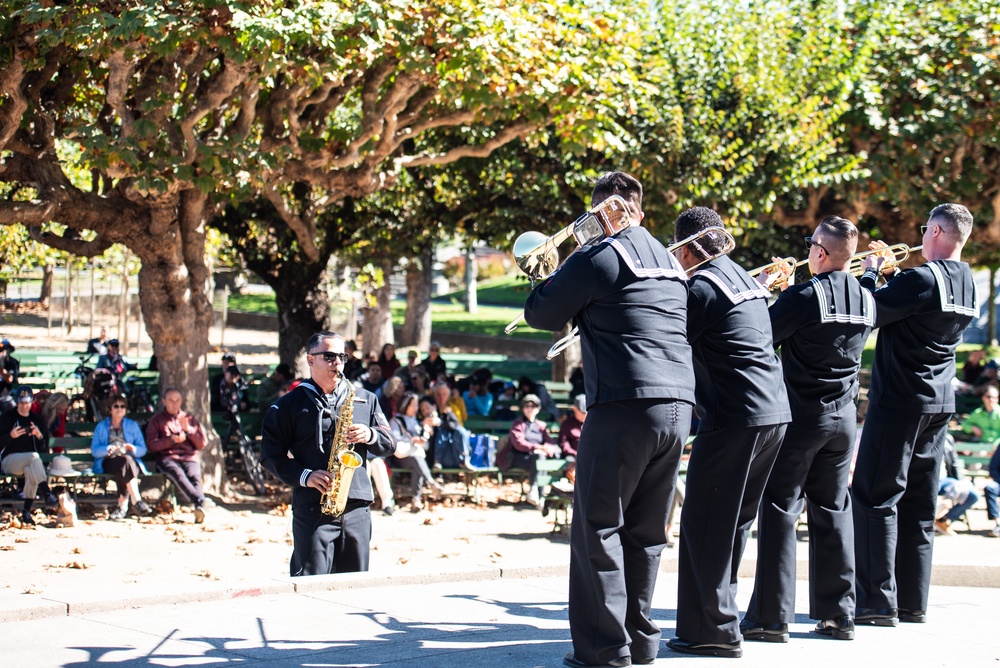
(481, 618)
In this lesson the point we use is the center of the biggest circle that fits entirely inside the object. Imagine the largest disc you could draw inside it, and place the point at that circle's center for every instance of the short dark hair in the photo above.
(624, 185)
(318, 338)
(283, 370)
(953, 219)
(843, 236)
(694, 220)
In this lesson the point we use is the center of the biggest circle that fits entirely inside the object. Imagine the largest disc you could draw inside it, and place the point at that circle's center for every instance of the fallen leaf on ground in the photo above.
(6, 548)
(31, 589)
(20, 540)
(403, 560)
(206, 574)
(77, 550)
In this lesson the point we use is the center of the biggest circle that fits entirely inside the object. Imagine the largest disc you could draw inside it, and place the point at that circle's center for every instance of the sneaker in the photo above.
(141, 508)
(118, 513)
(26, 518)
(995, 531)
(389, 510)
(199, 515)
(943, 527)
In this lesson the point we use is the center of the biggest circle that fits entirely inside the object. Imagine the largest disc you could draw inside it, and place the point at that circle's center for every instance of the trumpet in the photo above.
(536, 254)
(728, 244)
(787, 266)
(899, 254)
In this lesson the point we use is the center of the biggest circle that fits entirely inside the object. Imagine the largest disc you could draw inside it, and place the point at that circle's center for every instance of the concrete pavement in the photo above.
(477, 618)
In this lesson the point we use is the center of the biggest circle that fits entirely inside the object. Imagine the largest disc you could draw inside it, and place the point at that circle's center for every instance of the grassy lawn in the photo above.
(506, 291)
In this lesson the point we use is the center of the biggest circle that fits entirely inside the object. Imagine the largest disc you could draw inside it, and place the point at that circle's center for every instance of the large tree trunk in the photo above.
(419, 282)
(377, 328)
(174, 298)
(303, 310)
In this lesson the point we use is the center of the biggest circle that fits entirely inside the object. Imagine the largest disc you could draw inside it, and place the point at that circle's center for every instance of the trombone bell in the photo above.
(535, 255)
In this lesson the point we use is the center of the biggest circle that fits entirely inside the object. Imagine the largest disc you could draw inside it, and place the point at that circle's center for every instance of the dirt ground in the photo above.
(247, 538)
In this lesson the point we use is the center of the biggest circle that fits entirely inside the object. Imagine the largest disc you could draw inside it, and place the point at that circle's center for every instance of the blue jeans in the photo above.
(992, 491)
(958, 509)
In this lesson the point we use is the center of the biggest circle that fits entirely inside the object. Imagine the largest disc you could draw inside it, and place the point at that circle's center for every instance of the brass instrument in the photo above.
(899, 254)
(343, 461)
(537, 255)
(786, 265)
(728, 245)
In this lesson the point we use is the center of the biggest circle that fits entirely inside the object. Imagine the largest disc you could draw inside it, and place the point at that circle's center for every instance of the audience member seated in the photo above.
(98, 346)
(992, 492)
(113, 361)
(270, 388)
(117, 448)
(576, 380)
(505, 405)
(388, 361)
(379, 473)
(983, 424)
(987, 379)
(436, 368)
(446, 401)
(448, 441)
(955, 488)
(215, 385)
(233, 394)
(478, 400)
(372, 379)
(176, 438)
(53, 410)
(354, 367)
(388, 396)
(9, 369)
(526, 386)
(411, 447)
(973, 367)
(23, 438)
(569, 434)
(420, 382)
(531, 442)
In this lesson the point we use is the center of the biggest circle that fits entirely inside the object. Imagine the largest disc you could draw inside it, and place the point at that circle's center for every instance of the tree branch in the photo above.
(304, 228)
(121, 67)
(504, 136)
(11, 77)
(70, 242)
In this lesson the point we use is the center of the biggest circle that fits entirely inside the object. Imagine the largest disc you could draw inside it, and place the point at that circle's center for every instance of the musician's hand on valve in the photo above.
(320, 480)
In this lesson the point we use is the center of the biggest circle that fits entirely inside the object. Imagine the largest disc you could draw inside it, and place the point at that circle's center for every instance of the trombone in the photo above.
(899, 253)
(536, 254)
(728, 244)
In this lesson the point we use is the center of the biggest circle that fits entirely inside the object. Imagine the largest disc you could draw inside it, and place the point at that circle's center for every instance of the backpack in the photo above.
(451, 447)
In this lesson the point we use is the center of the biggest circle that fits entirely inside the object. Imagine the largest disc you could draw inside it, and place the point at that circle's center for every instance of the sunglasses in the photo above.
(123, 406)
(810, 243)
(330, 358)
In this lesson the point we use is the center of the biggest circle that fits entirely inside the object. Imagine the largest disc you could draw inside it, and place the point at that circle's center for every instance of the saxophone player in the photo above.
(304, 425)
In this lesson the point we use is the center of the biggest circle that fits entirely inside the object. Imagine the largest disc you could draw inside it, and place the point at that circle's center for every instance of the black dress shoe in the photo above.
(728, 650)
(841, 628)
(752, 630)
(571, 660)
(913, 616)
(877, 616)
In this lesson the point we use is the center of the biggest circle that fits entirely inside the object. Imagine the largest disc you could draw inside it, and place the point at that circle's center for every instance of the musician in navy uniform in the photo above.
(303, 423)
(628, 297)
(743, 409)
(821, 326)
(922, 313)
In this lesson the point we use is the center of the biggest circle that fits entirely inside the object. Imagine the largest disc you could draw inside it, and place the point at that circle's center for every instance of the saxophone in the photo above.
(343, 461)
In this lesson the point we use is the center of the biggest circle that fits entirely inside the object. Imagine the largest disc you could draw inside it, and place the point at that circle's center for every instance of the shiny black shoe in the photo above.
(913, 616)
(840, 628)
(727, 650)
(877, 616)
(752, 630)
(571, 660)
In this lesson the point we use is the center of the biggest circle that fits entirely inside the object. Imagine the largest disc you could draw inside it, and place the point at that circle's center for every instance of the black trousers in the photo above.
(815, 463)
(323, 544)
(122, 470)
(725, 480)
(186, 476)
(894, 493)
(626, 467)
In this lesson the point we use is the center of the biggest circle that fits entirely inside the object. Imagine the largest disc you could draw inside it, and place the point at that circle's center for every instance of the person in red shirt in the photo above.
(176, 438)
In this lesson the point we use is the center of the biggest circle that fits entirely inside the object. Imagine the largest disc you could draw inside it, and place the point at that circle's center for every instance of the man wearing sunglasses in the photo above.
(821, 327)
(302, 424)
(922, 313)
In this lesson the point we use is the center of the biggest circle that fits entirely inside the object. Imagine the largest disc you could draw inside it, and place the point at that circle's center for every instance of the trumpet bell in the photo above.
(534, 256)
